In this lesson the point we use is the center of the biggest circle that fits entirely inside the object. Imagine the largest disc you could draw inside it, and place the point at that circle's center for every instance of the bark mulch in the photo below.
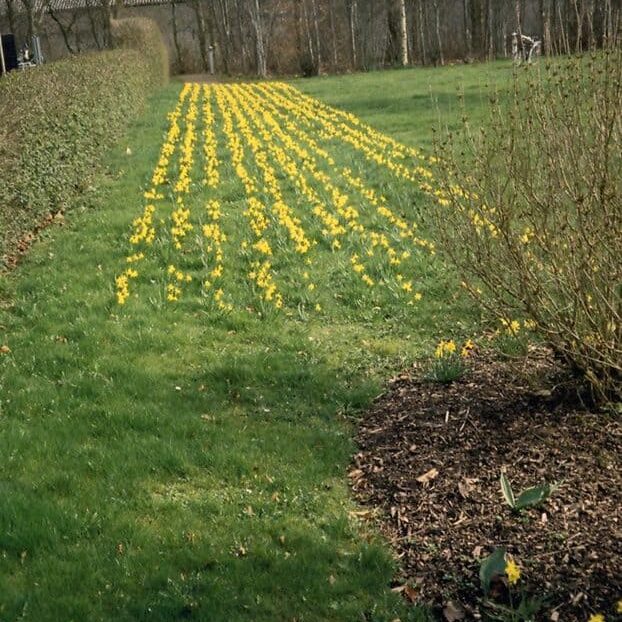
(428, 468)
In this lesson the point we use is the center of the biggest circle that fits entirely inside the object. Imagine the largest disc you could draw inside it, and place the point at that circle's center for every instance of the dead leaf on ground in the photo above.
(410, 593)
(356, 474)
(428, 476)
(466, 487)
(5, 349)
(453, 611)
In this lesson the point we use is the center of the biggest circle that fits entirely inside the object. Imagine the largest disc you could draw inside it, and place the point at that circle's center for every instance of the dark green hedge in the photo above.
(56, 121)
(143, 35)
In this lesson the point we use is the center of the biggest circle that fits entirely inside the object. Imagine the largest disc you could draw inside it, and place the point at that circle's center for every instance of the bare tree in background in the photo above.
(421, 21)
(66, 28)
(176, 45)
(310, 36)
(260, 44)
(466, 18)
(437, 30)
(353, 29)
(403, 30)
(10, 14)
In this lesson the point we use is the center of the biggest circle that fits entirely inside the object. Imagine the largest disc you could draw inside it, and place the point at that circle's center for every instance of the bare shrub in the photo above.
(530, 210)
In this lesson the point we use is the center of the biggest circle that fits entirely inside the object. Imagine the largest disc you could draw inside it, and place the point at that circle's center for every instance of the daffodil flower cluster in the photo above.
(374, 145)
(143, 229)
(309, 154)
(298, 200)
(212, 176)
(445, 347)
(255, 212)
(181, 217)
(215, 238)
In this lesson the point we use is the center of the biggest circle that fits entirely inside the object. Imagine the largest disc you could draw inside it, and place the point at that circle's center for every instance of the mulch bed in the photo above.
(501, 415)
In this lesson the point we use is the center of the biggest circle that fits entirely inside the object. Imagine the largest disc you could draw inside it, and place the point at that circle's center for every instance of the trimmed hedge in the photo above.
(56, 121)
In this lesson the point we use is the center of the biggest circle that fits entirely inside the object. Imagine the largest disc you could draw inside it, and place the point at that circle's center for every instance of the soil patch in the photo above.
(497, 417)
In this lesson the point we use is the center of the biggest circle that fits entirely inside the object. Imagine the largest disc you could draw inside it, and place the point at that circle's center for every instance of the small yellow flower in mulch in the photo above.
(512, 571)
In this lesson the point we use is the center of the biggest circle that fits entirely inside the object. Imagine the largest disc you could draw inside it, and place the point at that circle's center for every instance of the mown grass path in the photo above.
(174, 461)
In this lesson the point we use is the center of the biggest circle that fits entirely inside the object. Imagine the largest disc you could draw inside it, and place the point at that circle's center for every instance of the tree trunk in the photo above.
(545, 16)
(437, 29)
(333, 32)
(10, 14)
(316, 32)
(490, 30)
(197, 7)
(563, 31)
(221, 19)
(590, 24)
(106, 6)
(478, 26)
(353, 23)
(245, 54)
(579, 26)
(403, 33)
(93, 24)
(260, 50)
(421, 21)
(65, 31)
(30, 19)
(309, 64)
(176, 37)
(468, 43)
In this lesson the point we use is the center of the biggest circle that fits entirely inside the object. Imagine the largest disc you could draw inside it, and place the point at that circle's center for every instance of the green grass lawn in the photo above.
(409, 103)
(166, 462)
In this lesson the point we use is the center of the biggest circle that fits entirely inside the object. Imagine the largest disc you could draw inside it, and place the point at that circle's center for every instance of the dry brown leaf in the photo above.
(465, 487)
(428, 476)
(410, 593)
(453, 611)
(356, 474)
(5, 349)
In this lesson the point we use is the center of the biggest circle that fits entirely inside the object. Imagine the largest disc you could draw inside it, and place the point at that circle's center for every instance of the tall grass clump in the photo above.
(530, 210)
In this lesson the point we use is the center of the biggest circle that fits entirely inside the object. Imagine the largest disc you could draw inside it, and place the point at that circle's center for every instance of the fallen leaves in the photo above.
(428, 476)
(4, 349)
(443, 521)
(453, 611)
(466, 487)
(410, 593)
